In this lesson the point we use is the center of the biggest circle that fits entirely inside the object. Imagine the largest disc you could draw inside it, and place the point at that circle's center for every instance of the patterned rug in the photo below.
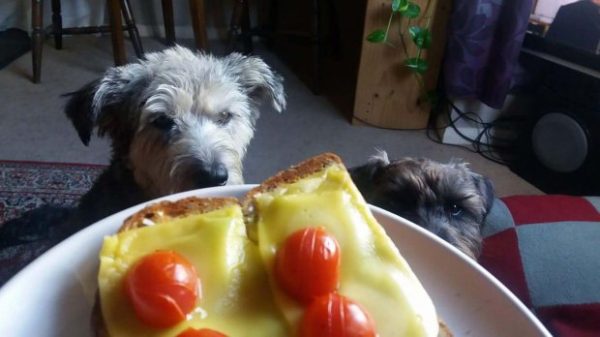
(28, 185)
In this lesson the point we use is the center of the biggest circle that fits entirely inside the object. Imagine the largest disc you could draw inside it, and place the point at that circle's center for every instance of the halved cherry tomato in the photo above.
(162, 287)
(307, 265)
(334, 315)
(201, 333)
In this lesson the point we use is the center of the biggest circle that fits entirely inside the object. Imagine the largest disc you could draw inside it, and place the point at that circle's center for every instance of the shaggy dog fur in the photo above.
(178, 120)
(449, 200)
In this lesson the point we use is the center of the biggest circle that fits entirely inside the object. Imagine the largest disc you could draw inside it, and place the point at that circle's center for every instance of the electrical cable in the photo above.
(494, 146)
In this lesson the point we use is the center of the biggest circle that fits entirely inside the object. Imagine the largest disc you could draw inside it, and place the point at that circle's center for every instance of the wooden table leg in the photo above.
(198, 14)
(245, 26)
(37, 38)
(57, 24)
(317, 51)
(168, 20)
(116, 29)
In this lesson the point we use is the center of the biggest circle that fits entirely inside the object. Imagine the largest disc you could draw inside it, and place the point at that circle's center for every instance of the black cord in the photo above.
(493, 145)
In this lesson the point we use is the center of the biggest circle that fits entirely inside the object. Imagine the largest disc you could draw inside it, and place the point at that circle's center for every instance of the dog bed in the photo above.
(546, 250)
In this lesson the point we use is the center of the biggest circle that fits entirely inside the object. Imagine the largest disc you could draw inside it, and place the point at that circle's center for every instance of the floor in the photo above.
(33, 126)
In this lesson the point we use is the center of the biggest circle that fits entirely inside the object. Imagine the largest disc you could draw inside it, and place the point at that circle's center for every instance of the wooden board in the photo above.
(387, 93)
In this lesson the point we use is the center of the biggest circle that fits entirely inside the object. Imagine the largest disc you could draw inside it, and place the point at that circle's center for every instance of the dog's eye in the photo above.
(163, 122)
(454, 210)
(224, 117)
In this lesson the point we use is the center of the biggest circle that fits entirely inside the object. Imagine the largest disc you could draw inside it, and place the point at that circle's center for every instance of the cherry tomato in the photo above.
(201, 333)
(162, 287)
(307, 265)
(334, 315)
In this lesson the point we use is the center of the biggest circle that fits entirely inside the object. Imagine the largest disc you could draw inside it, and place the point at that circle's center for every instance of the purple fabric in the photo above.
(484, 41)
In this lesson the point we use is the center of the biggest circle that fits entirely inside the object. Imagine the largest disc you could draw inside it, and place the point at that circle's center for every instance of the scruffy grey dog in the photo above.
(447, 199)
(178, 120)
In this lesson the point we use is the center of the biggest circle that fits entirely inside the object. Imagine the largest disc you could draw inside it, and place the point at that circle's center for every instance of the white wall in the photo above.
(546, 10)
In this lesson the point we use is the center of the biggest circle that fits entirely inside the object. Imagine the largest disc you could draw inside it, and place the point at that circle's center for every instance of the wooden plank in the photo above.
(387, 94)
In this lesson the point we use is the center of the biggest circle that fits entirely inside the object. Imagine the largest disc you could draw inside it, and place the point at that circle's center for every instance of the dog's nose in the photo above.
(219, 174)
(214, 175)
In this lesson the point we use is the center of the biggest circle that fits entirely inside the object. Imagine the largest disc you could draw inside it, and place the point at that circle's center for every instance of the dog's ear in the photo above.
(257, 79)
(364, 175)
(484, 185)
(97, 103)
(486, 189)
(79, 110)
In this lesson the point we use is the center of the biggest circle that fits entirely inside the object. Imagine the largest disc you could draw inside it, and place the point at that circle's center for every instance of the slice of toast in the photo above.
(211, 235)
(155, 214)
(294, 183)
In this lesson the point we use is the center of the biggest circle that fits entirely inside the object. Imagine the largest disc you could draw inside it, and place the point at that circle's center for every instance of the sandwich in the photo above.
(300, 255)
(184, 268)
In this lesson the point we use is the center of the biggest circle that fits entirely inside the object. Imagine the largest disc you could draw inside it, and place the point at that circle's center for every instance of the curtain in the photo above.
(484, 41)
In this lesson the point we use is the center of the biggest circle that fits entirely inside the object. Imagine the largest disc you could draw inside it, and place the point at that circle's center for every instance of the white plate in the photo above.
(53, 296)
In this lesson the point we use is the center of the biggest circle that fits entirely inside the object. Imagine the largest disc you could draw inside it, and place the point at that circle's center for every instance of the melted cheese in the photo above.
(373, 273)
(236, 298)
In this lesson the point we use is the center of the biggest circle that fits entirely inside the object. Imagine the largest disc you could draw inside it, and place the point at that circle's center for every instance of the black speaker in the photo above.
(559, 149)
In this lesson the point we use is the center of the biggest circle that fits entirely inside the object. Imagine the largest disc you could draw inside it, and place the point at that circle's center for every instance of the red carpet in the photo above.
(28, 185)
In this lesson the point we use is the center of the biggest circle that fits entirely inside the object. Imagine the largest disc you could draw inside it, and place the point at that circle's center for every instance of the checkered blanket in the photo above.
(546, 249)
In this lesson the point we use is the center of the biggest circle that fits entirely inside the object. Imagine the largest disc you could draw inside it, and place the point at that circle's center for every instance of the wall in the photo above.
(545, 10)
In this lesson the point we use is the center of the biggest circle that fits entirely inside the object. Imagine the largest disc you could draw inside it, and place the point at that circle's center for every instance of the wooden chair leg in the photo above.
(317, 52)
(37, 38)
(239, 28)
(245, 25)
(272, 19)
(134, 34)
(234, 24)
(168, 18)
(57, 24)
(197, 11)
(116, 29)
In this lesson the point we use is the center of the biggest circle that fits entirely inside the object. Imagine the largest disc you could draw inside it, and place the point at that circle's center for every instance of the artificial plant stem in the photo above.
(387, 30)
(428, 8)
(401, 33)
(420, 80)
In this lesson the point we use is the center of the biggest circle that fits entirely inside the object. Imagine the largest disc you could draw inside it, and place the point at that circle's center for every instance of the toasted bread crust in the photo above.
(296, 172)
(288, 176)
(167, 210)
(156, 213)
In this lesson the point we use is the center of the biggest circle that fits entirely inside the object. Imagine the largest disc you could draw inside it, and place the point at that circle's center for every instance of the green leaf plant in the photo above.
(420, 35)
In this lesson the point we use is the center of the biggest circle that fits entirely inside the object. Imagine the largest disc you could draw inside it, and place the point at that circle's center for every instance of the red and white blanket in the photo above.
(546, 249)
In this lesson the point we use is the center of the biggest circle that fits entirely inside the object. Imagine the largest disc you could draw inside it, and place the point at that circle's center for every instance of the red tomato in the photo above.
(201, 333)
(162, 287)
(334, 315)
(307, 265)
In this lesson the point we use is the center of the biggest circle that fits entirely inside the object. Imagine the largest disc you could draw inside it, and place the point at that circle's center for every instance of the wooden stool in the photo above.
(198, 14)
(116, 8)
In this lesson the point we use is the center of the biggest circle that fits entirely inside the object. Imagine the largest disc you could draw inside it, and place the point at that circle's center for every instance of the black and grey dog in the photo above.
(449, 200)
(178, 120)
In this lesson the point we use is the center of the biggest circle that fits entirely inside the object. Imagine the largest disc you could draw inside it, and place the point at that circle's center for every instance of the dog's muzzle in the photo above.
(210, 175)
